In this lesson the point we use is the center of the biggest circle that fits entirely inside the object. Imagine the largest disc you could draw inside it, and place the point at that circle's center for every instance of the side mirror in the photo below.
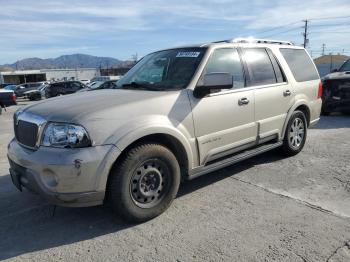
(213, 81)
(334, 70)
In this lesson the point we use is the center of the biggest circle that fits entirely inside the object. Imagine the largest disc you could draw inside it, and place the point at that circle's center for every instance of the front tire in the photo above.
(295, 134)
(144, 183)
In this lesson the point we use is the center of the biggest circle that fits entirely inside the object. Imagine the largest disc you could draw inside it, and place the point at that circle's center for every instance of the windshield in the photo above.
(163, 70)
(345, 66)
(10, 87)
(95, 85)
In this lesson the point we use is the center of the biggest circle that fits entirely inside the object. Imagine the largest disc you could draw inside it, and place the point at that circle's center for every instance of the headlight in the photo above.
(65, 135)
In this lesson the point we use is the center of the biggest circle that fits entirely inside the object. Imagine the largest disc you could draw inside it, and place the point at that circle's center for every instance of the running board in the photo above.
(202, 170)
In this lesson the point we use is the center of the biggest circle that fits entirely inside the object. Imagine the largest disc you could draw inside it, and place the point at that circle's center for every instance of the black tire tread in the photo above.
(115, 184)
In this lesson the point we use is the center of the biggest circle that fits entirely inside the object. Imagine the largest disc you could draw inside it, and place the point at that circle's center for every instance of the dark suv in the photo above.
(63, 88)
(336, 94)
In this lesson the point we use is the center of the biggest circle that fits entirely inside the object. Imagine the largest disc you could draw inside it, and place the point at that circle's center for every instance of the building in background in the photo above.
(25, 76)
(326, 63)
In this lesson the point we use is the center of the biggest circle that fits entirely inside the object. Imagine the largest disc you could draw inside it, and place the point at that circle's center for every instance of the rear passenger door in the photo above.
(274, 96)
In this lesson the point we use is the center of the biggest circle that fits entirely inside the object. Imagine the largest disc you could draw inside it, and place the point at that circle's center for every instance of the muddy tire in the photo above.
(144, 183)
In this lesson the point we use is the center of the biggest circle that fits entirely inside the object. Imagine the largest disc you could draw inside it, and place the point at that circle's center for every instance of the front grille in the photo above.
(339, 88)
(26, 133)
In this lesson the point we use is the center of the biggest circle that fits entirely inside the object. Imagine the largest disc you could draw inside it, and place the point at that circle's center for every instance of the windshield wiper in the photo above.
(133, 84)
(142, 86)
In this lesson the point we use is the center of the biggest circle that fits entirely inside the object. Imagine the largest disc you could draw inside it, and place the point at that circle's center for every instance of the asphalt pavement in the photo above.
(268, 208)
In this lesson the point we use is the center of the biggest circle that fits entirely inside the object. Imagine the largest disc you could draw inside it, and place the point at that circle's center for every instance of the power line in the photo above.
(323, 25)
(277, 33)
(331, 32)
(278, 27)
(331, 17)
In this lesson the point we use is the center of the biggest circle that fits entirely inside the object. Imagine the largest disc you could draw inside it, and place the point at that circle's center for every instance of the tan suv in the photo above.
(177, 114)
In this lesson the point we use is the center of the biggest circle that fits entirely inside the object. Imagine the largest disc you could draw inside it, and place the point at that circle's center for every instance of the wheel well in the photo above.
(170, 142)
(306, 111)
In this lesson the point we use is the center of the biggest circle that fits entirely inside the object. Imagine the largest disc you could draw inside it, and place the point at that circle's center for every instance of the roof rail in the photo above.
(255, 41)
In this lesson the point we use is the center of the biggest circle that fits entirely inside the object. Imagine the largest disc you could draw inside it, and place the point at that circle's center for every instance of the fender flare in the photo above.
(301, 102)
(130, 137)
(144, 131)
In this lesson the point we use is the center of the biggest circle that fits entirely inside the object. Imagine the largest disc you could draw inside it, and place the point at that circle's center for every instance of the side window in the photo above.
(74, 86)
(54, 87)
(280, 77)
(259, 67)
(226, 60)
(300, 64)
(113, 84)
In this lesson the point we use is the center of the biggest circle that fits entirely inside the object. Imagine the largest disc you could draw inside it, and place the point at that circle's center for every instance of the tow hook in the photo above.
(77, 163)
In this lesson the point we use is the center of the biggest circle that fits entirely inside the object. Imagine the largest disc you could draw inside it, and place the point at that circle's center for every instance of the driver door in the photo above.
(224, 121)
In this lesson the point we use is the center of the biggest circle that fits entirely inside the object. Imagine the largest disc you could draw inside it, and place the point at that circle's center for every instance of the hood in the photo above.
(103, 112)
(337, 76)
(81, 105)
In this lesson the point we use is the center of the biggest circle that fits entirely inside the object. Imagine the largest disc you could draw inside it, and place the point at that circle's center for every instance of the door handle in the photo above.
(287, 93)
(243, 101)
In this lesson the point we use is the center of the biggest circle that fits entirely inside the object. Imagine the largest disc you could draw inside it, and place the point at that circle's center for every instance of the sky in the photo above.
(119, 29)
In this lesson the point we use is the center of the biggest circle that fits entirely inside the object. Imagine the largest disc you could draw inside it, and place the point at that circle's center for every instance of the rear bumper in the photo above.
(8, 103)
(65, 177)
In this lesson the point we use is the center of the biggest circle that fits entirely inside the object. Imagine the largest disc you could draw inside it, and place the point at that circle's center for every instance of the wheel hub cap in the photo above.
(296, 133)
(149, 183)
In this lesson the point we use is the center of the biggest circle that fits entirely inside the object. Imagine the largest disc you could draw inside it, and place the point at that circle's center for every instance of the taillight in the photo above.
(14, 97)
(319, 92)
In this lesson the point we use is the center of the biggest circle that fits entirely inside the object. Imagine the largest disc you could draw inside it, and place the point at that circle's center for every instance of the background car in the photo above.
(101, 85)
(10, 87)
(336, 90)
(63, 88)
(5, 84)
(7, 98)
(37, 94)
(22, 88)
(85, 81)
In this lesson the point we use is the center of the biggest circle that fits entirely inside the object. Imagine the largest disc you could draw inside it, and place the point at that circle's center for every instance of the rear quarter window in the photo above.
(300, 64)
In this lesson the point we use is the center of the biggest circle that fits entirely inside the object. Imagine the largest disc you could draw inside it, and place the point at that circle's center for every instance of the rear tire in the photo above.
(144, 183)
(295, 134)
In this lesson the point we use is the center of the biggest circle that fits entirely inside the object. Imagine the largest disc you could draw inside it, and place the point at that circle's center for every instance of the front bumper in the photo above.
(335, 105)
(66, 177)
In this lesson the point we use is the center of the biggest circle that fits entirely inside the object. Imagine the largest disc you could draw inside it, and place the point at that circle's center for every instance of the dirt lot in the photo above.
(267, 208)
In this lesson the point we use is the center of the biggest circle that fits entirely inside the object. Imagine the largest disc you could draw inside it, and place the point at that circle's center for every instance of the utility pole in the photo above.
(323, 47)
(306, 40)
(331, 64)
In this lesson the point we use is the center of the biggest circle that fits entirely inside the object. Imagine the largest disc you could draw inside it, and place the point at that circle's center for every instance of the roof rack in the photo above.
(255, 41)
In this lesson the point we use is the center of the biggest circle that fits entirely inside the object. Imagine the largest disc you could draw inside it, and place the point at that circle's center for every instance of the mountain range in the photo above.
(64, 61)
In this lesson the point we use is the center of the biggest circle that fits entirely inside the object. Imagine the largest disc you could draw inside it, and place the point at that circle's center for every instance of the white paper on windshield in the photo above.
(187, 54)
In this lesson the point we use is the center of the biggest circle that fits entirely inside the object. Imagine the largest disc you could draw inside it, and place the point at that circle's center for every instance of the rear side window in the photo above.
(300, 64)
(75, 86)
(261, 71)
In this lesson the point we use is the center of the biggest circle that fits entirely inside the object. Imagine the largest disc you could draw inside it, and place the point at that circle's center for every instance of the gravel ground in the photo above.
(267, 208)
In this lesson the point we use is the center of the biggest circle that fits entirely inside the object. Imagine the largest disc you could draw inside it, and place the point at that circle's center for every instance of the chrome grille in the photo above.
(28, 128)
(26, 133)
